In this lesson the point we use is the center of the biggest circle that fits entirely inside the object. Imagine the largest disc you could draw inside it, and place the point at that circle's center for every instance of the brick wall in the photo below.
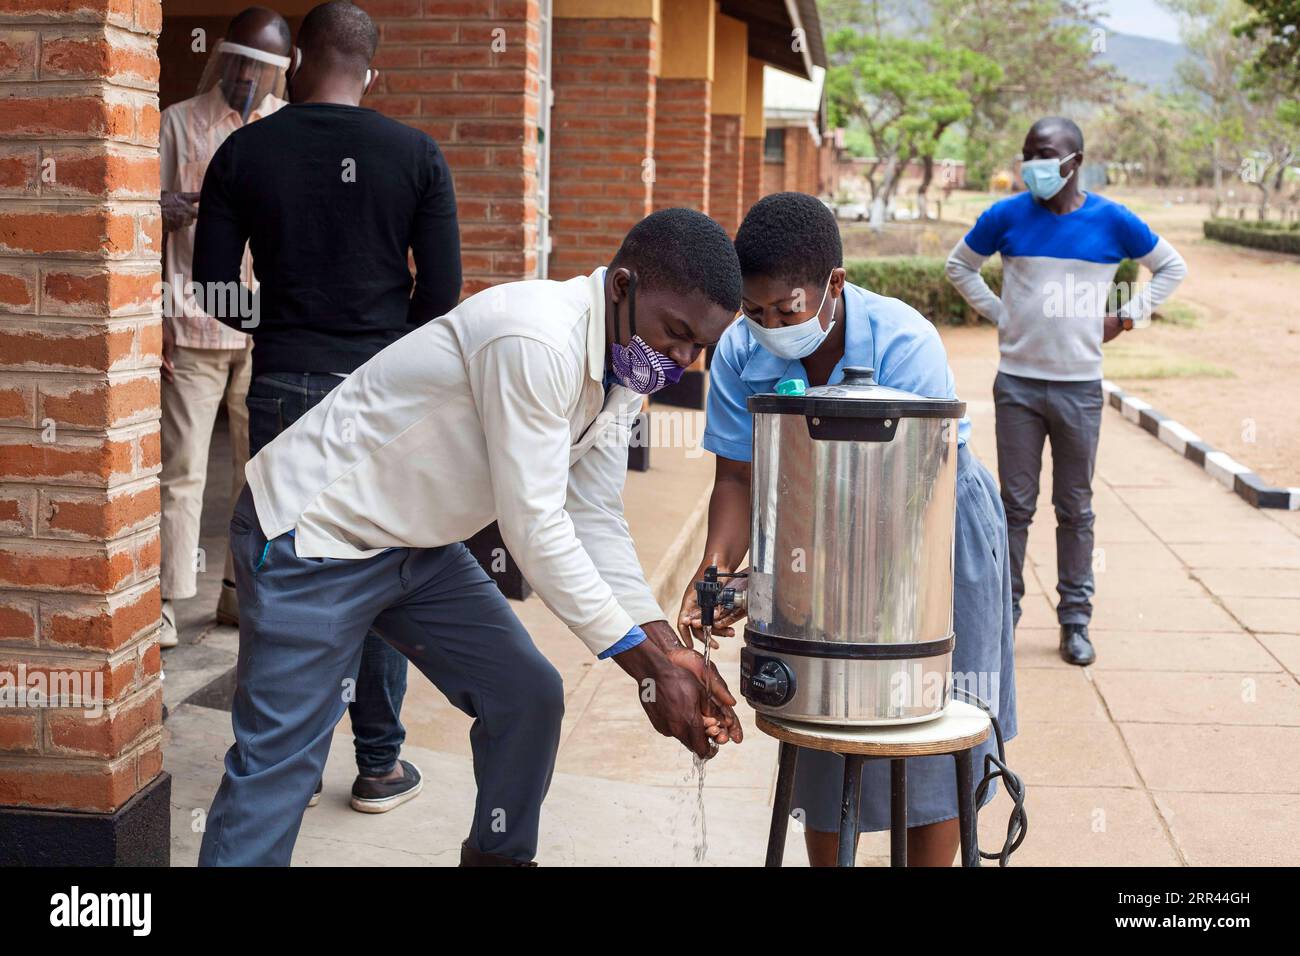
(466, 72)
(726, 169)
(80, 347)
(682, 137)
(604, 137)
(773, 177)
(801, 161)
(751, 189)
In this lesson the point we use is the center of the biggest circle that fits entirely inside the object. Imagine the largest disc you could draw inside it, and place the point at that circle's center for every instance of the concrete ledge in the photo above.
(1219, 465)
(1176, 436)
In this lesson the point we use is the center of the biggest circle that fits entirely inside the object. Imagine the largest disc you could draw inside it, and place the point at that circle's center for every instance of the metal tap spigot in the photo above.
(711, 593)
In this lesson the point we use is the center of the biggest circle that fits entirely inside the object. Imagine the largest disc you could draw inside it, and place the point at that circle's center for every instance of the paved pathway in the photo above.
(1177, 748)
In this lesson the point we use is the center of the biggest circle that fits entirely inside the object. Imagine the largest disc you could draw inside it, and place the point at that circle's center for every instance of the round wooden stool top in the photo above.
(961, 727)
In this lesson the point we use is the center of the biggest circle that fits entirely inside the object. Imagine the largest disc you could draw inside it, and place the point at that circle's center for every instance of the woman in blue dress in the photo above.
(802, 320)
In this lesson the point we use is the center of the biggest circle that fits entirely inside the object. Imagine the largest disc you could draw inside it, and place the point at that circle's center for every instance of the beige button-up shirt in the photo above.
(190, 133)
(497, 410)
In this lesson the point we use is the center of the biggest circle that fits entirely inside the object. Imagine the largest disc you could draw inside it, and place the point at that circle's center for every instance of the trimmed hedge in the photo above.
(1255, 235)
(1265, 225)
(920, 281)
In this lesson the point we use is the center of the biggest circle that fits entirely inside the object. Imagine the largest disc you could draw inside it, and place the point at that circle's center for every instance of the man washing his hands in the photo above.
(516, 407)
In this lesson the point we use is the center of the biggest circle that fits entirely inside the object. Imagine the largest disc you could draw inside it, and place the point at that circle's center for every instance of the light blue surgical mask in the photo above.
(794, 341)
(1043, 176)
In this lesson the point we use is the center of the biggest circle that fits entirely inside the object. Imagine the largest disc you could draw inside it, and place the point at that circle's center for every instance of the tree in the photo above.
(1152, 138)
(904, 94)
(1048, 52)
(1276, 24)
(1250, 112)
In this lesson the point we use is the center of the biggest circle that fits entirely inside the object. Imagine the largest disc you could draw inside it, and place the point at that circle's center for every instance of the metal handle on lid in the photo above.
(859, 375)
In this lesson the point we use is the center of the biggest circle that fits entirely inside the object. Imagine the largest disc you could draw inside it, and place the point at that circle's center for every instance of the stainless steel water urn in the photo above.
(851, 553)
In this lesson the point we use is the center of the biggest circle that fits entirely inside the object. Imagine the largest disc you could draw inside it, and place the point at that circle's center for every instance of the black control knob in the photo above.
(767, 681)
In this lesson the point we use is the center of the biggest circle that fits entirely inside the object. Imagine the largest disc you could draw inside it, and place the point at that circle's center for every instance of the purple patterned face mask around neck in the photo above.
(636, 365)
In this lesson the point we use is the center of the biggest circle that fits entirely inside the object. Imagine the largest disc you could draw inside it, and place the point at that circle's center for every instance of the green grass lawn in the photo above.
(1181, 314)
(1138, 359)
(1125, 361)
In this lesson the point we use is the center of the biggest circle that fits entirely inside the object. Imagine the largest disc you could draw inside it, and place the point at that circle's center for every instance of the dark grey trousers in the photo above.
(1028, 411)
(302, 624)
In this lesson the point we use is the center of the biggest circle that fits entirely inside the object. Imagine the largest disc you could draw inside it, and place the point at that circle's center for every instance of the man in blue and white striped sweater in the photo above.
(1060, 250)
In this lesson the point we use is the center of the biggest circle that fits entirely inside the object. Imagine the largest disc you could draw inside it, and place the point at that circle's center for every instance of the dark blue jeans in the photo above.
(302, 628)
(275, 401)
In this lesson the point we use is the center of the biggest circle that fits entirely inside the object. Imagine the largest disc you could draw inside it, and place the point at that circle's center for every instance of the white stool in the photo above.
(962, 728)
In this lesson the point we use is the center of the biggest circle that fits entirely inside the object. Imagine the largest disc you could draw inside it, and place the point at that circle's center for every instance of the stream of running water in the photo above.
(698, 766)
(700, 824)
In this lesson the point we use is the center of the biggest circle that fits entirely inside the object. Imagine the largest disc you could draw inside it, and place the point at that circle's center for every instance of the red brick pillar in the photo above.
(800, 160)
(683, 136)
(773, 175)
(726, 170)
(751, 187)
(683, 100)
(80, 235)
(466, 72)
(727, 150)
(603, 129)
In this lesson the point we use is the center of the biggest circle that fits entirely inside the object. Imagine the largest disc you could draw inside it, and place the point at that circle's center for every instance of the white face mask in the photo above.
(794, 341)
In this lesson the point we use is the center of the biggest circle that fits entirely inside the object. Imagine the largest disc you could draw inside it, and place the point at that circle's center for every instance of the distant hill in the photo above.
(1150, 62)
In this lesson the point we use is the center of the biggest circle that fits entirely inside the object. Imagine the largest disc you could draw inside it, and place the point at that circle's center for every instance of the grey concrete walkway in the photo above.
(1177, 748)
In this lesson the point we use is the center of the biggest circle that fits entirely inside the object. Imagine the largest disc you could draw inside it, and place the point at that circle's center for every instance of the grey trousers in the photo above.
(1028, 411)
(302, 623)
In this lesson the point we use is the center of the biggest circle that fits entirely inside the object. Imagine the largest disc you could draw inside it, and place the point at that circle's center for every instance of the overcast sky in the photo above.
(1143, 18)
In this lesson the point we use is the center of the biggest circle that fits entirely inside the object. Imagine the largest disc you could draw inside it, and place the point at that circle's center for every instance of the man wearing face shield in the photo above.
(206, 363)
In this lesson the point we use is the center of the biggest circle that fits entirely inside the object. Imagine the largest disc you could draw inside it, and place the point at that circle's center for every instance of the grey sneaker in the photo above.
(167, 636)
(379, 796)
(315, 797)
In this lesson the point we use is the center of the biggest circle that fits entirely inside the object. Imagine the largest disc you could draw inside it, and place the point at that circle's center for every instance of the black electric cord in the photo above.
(994, 767)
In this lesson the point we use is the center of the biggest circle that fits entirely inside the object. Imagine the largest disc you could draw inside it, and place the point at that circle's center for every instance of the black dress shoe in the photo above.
(1075, 646)
(472, 857)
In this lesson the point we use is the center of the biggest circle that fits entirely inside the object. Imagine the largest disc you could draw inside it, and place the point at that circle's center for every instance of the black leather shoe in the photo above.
(1075, 646)
(472, 857)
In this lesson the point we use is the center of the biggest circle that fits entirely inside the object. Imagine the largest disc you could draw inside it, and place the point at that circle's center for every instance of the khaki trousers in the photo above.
(203, 379)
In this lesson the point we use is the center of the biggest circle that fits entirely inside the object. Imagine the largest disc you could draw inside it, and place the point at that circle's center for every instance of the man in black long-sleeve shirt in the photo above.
(329, 198)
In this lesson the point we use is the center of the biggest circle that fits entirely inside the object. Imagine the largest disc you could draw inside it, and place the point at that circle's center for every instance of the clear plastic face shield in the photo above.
(245, 75)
